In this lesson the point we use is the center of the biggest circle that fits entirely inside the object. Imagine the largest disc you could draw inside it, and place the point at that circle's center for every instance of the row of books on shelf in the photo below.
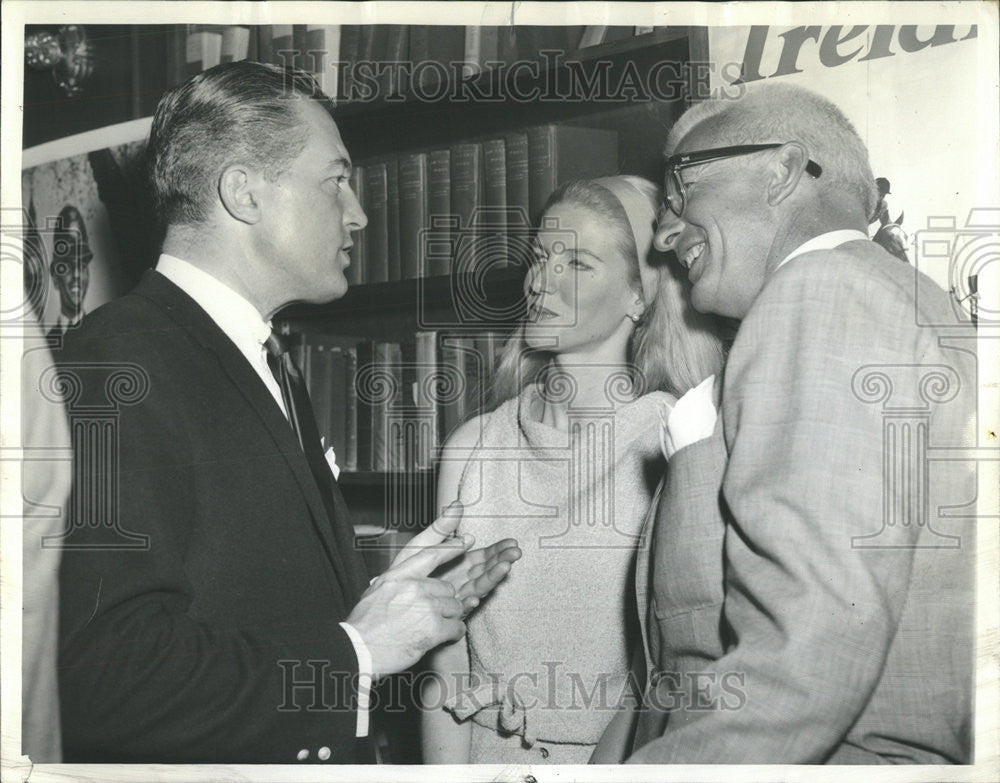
(386, 406)
(470, 206)
(419, 49)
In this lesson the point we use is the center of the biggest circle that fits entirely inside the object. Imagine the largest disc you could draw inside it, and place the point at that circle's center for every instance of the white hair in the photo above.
(781, 113)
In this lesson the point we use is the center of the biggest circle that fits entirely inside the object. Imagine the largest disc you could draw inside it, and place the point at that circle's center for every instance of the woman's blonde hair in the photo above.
(673, 347)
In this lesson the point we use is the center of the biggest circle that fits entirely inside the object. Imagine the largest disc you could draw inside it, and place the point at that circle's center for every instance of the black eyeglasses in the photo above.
(675, 196)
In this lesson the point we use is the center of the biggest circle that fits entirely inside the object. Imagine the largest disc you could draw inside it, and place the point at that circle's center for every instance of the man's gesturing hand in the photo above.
(405, 613)
(476, 573)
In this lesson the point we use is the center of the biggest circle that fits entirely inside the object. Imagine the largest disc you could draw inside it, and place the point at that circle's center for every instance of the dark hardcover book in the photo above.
(519, 223)
(377, 230)
(419, 52)
(560, 153)
(283, 46)
(455, 366)
(355, 273)
(534, 39)
(265, 43)
(388, 362)
(392, 216)
(338, 404)
(365, 404)
(203, 49)
(493, 216)
(408, 401)
(446, 44)
(350, 462)
(466, 199)
(413, 209)
(439, 211)
(235, 44)
(427, 397)
(350, 42)
(321, 50)
(320, 382)
(392, 78)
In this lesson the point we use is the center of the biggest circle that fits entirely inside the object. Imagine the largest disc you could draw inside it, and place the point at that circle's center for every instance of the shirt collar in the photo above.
(230, 311)
(827, 241)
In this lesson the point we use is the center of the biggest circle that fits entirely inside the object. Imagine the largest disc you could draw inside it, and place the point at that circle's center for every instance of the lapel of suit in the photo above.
(643, 578)
(336, 534)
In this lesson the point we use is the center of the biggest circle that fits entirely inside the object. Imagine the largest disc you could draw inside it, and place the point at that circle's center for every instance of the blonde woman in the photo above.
(567, 465)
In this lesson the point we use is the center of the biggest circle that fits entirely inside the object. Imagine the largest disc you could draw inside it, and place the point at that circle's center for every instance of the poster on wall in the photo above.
(901, 87)
(89, 230)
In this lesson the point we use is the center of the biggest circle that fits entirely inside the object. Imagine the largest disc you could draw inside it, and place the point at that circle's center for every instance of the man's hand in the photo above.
(405, 613)
(472, 576)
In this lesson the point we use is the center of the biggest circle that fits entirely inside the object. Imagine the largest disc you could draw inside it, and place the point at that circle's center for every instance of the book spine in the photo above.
(338, 404)
(235, 44)
(350, 410)
(518, 186)
(439, 209)
(413, 211)
(377, 230)
(392, 218)
(365, 405)
(427, 363)
(541, 169)
(466, 199)
(392, 80)
(493, 217)
(321, 49)
(203, 50)
(455, 368)
(350, 41)
(473, 58)
(355, 273)
(283, 45)
(419, 53)
(386, 364)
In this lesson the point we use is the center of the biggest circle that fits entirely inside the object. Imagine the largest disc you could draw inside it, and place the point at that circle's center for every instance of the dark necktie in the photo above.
(295, 395)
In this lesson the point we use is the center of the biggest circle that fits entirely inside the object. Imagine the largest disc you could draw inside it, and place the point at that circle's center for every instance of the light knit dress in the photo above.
(548, 650)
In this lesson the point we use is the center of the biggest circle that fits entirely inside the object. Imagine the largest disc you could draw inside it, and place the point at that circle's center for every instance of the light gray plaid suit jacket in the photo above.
(809, 587)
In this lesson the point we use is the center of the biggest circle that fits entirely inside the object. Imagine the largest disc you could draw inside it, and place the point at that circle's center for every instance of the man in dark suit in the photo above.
(809, 579)
(214, 608)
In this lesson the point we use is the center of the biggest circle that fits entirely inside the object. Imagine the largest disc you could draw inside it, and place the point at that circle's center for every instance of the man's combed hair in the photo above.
(236, 112)
(781, 113)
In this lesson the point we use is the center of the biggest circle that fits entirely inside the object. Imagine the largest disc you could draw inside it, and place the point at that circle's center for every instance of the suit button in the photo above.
(544, 752)
(323, 753)
(302, 755)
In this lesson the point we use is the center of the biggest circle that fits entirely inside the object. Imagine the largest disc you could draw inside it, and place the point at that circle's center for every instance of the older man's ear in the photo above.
(786, 171)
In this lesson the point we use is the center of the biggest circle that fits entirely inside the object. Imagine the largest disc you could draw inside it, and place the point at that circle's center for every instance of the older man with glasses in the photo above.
(807, 593)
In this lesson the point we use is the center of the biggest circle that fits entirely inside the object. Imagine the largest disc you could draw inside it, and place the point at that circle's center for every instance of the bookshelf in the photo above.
(443, 117)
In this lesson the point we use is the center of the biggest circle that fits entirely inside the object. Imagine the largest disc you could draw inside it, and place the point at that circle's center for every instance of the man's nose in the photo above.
(355, 218)
(668, 229)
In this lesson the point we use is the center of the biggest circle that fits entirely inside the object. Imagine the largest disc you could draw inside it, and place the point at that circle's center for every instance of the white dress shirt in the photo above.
(827, 241)
(243, 324)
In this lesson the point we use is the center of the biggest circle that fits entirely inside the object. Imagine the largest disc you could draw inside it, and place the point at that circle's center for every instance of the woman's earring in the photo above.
(635, 317)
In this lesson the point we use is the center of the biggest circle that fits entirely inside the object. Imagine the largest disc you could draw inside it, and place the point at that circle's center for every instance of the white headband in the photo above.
(641, 217)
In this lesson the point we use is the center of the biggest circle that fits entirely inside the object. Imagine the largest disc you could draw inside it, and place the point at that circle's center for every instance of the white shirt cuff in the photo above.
(364, 678)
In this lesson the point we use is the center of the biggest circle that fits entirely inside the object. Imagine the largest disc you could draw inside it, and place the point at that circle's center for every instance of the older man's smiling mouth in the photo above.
(692, 255)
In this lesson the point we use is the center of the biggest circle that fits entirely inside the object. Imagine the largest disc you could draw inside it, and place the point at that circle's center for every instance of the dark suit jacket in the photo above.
(185, 649)
(822, 609)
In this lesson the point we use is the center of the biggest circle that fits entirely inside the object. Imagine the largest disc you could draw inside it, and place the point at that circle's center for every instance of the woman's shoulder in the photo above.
(651, 402)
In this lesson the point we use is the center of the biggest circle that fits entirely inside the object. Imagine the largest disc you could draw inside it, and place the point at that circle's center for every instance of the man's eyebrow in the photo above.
(343, 163)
